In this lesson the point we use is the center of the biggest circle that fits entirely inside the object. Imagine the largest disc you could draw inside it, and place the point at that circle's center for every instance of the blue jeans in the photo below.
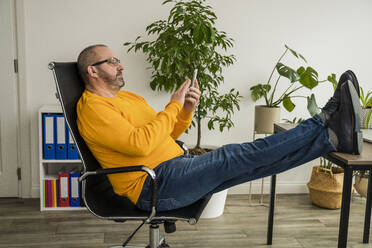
(185, 179)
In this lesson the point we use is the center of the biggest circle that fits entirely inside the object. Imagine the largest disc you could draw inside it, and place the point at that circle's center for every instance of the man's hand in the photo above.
(192, 97)
(180, 93)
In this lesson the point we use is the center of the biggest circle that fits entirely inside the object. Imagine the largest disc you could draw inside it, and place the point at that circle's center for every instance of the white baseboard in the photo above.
(281, 188)
(35, 191)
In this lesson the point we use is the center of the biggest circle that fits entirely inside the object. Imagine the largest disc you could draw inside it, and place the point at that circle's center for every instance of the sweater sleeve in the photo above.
(184, 119)
(110, 129)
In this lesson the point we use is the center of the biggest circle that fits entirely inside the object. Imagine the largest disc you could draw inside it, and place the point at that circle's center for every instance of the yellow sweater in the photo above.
(125, 131)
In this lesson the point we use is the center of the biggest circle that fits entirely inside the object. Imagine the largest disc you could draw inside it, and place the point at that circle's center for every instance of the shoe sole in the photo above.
(355, 80)
(357, 134)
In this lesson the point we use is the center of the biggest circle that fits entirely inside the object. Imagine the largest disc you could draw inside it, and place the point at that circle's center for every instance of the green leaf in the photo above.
(308, 77)
(368, 118)
(368, 100)
(288, 104)
(312, 106)
(138, 37)
(155, 64)
(259, 91)
(302, 57)
(294, 120)
(198, 35)
(287, 72)
(153, 84)
(167, 1)
(362, 99)
(332, 78)
(210, 125)
(296, 54)
(300, 70)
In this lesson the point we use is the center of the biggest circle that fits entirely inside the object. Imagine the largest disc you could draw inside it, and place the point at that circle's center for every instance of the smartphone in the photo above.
(193, 83)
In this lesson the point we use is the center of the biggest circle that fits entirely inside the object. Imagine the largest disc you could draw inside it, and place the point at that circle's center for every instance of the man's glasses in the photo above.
(114, 61)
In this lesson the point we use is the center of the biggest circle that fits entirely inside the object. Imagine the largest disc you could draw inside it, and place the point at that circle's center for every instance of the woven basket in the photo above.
(326, 188)
(361, 185)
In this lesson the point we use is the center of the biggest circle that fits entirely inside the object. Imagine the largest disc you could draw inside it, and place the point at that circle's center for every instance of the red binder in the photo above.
(64, 189)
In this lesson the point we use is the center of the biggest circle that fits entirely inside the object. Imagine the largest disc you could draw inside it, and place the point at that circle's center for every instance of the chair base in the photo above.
(156, 241)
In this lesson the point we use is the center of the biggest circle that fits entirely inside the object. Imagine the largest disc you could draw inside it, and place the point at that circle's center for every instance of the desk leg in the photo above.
(345, 208)
(367, 216)
(271, 211)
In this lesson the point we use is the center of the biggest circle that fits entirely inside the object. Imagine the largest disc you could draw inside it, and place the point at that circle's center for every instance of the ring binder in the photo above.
(75, 190)
(61, 151)
(48, 136)
(72, 152)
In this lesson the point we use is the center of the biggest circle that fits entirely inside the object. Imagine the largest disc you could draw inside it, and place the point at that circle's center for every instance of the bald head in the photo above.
(87, 57)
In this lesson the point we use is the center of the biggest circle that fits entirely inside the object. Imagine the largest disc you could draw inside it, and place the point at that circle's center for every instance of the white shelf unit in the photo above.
(49, 168)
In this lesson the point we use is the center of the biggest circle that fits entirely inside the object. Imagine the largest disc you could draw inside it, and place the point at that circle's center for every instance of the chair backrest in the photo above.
(70, 87)
(97, 190)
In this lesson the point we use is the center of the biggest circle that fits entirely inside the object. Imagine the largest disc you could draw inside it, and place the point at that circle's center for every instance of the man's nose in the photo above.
(120, 67)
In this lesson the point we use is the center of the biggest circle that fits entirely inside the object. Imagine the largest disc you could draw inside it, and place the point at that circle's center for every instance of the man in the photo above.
(121, 129)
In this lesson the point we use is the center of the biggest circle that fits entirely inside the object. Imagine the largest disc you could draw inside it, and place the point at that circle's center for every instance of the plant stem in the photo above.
(296, 89)
(285, 93)
(268, 82)
(267, 101)
(271, 75)
(272, 93)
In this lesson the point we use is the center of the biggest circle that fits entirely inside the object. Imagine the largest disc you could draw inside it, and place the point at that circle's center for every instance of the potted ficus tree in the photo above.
(188, 40)
(269, 113)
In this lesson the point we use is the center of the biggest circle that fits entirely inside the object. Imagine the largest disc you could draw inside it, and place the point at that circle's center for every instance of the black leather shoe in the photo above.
(345, 121)
(333, 103)
(350, 75)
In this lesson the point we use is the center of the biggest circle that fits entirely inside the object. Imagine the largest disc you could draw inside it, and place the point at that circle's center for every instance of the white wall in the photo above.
(333, 35)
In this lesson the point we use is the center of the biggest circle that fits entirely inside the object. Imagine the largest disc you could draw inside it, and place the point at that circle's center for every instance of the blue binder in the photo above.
(75, 190)
(72, 152)
(61, 149)
(49, 150)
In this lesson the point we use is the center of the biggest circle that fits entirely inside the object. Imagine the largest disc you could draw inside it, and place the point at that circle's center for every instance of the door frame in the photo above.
(24, 129)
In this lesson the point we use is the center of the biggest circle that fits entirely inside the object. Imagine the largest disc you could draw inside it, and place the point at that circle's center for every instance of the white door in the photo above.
(8, 102)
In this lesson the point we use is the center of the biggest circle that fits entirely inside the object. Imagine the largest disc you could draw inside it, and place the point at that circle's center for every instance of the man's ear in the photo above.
(92, 71)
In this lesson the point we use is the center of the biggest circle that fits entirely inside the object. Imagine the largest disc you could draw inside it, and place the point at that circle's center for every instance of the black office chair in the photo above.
(97, 192)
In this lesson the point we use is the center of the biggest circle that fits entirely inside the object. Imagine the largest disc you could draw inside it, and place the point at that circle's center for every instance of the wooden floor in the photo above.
(297, 224)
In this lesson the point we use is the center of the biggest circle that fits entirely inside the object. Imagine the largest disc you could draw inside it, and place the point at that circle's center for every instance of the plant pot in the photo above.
(264, 119)
(216, 204)
(325, 188)
(364, 114)
(361, 185)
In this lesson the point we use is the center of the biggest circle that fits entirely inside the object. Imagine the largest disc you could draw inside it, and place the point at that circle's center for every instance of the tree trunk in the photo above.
(199, 130)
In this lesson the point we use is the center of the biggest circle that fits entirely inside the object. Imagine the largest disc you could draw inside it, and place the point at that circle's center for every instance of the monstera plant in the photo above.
(302, 77)
(188, 40)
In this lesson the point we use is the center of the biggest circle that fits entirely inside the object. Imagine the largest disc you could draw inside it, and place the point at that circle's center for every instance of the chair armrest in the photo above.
(150, 172)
